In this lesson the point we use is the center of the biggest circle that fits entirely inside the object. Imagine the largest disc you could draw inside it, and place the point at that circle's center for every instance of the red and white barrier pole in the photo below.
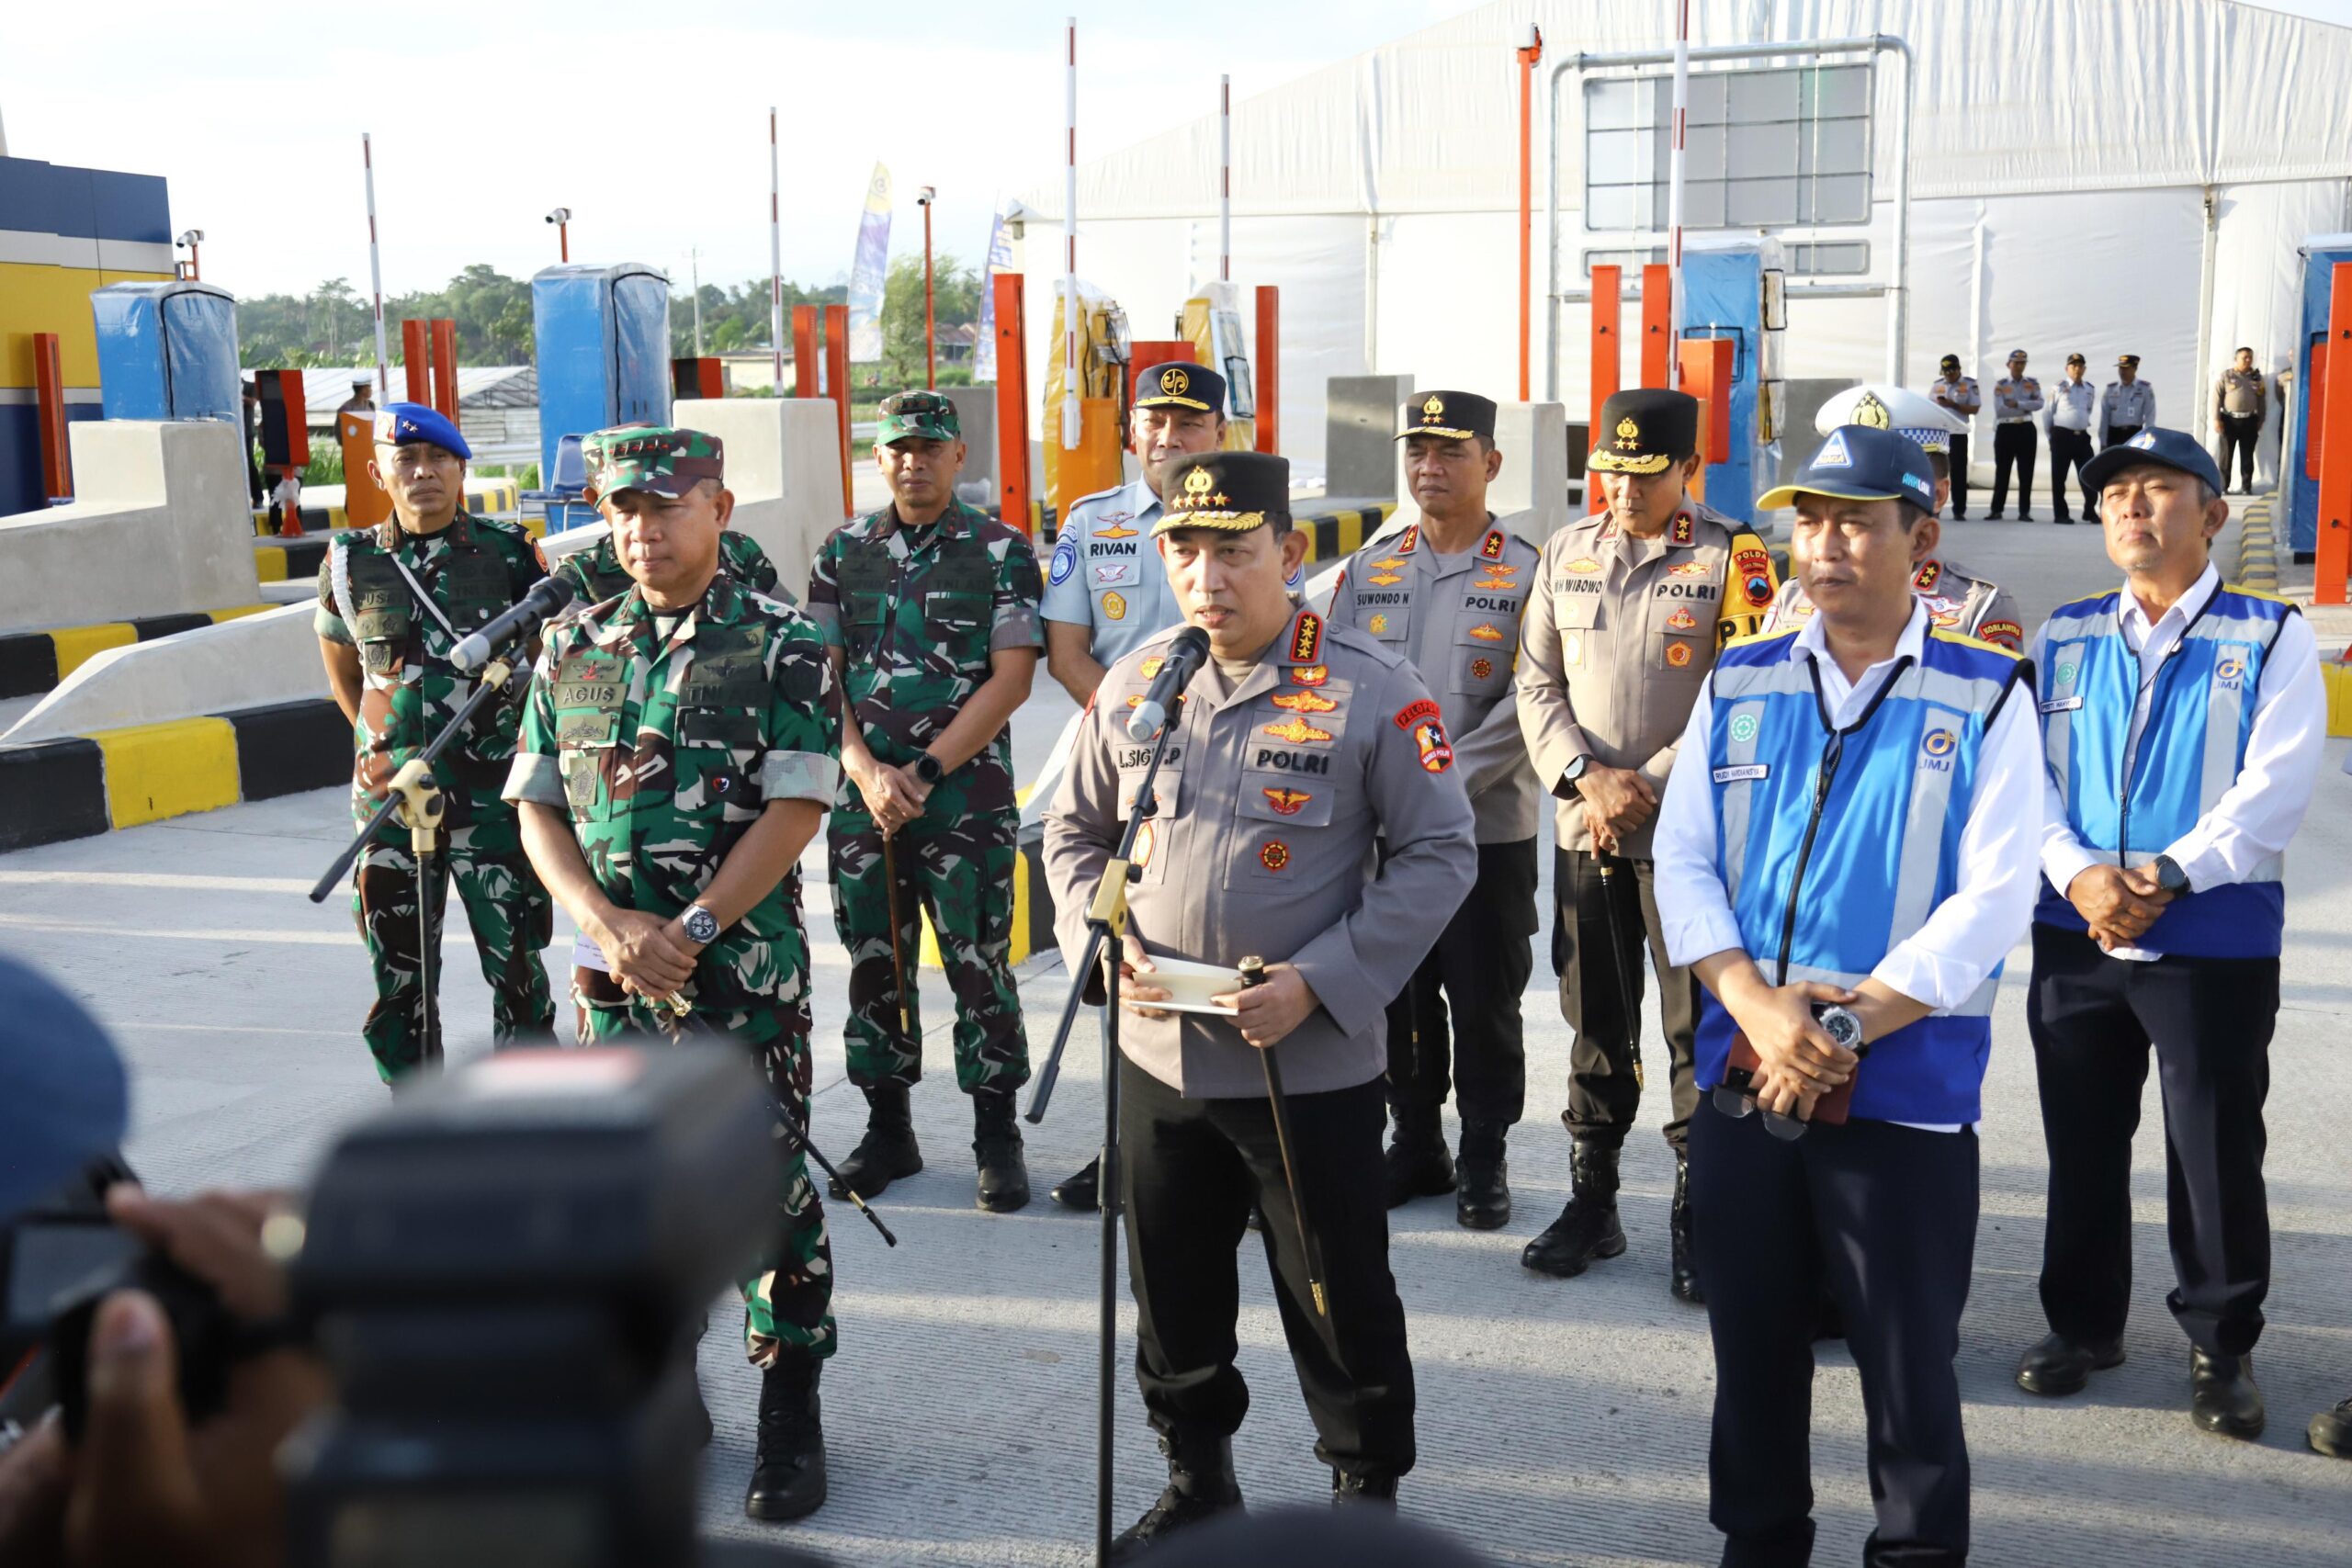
(1674, 192)
(775, 259)
(1225, 179)
(1070, 387)
(376, 276)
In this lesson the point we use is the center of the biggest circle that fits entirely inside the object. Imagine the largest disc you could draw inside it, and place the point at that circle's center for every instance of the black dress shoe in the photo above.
(1376, 1491)
(2055, 1366)
(2223, 1396)
(1482, 1180)
(2331, 1431)
(1418, 1164)
(1082, 1189)
(2025, 517)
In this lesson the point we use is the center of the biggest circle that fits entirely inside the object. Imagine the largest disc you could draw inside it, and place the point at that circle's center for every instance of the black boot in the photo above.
(887, 1152)
(1419, 1165)
(1482, 1186)
(1685, 1283)
(996, 1144)
(1376, 1491)
(1082, 1189)
(1200, 1486)
(788, 1467)
(1588, 1227)
(2223, 1398)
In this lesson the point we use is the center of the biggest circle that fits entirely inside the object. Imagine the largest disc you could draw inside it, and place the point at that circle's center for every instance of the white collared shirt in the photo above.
(2073, 405)
(1967, 935)
(2257, 815)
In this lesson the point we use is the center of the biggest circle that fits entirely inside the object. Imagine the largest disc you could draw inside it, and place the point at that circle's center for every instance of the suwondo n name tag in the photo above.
(1744, 772)
(2060, 704)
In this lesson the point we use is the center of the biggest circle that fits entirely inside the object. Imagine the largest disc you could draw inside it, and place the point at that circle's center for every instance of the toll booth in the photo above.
(167, 351)
(2316, 381)
(603, 359)
(1734, 316)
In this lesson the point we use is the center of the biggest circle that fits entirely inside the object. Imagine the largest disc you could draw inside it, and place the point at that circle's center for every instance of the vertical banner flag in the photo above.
(1000, 260)
(867, 272)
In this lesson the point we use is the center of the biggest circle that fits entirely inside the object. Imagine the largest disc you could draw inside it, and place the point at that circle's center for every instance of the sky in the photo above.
(487, 114)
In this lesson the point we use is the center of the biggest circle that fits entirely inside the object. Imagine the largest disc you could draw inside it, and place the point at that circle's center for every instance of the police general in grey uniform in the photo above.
(1268, 808)
(1447, 594)
(1629, 607)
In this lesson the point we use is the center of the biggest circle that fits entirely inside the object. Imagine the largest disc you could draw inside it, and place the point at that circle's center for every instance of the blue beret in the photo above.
(2171, 448)
(399, 423)
(64, 1100)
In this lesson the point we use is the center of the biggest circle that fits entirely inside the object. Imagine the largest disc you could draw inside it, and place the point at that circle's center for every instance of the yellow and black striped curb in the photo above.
(33, 662)
(2257, 565)
(119, 778)
(484, 498)
(1331, 534)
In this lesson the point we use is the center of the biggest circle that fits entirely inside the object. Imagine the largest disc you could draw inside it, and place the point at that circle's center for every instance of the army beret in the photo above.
(397, 425)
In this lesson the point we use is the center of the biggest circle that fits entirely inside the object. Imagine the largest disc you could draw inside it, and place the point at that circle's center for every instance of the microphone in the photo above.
(547, 596)
(1183, 660)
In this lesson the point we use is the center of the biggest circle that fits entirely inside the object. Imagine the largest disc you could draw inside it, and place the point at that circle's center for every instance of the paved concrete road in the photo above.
(1561, 1422)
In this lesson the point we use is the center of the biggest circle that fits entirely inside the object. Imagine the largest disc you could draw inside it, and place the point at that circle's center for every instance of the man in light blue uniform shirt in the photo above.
(1846, 853)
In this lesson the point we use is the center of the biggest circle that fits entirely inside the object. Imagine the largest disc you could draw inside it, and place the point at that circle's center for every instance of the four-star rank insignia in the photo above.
(1286, 802)
(1296, 730)
(1487, 633)
(1273, 854)
(1304, 701)
(1308, 640)
(1310, 674)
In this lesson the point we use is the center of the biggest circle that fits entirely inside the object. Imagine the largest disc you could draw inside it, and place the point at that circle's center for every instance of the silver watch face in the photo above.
(1840, 1025)
(702, 925)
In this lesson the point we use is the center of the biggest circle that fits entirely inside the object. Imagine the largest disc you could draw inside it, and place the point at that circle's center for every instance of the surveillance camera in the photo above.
(923, 198)
(190, 237)
(560, 215)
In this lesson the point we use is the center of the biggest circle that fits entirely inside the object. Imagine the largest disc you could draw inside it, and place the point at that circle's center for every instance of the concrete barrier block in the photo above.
(161, 527)
(783, 465)
(976, 416)
(251, 661)
(1360, 440)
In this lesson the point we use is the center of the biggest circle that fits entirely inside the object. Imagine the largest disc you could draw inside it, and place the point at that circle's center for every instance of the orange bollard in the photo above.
(1657, 322)
(837, 385)
(806, 370)
(1012, 406)
(1269, 368)
(2335, 541)
(416, 360)
(1608, 361)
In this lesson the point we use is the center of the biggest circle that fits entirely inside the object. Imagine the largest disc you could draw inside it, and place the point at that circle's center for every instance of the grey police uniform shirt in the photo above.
(1961, 391)
(2130, 407)
(1456, 619)
(1106, 575)
(1619, 636)
(2073, 405)
(2243, 393)
(1958, 600)
(1270, 797)
(2016, 401)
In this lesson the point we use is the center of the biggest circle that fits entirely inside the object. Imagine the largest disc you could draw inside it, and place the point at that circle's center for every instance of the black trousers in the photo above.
(1588, 932)
(1189, 1171)
(2239, 431)
(2094, 1020)
(1959, 463)
(2117, 435)
(1480, 965)
(2069, 449)
(2013, 447)
(1885, 1219)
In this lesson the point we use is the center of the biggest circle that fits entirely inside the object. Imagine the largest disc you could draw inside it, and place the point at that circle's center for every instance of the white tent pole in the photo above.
(1069, 241)
(1674, 196)
(1225, 179)
(376, 276)
(775, 265)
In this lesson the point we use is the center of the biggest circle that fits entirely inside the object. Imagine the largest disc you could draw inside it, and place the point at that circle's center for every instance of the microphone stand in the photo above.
(1106, 922)
(414, 794)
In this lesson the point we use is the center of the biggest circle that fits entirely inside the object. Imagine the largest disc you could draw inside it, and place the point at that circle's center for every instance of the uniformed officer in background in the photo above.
(1447, 594)
(1629, 608)
(1957, 599)
(1851, 825)
(393, 602)
(2127, 406)
(2183, 719)
(595, 573)
(1267, 812)
(2240, 398)
(2072, 407)
(2017, 398)
(1957, 393)
(931, 611)
(1106, 589)
(677, 754)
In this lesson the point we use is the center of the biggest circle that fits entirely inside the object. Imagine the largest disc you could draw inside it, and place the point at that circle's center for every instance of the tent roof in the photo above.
(2026, 96)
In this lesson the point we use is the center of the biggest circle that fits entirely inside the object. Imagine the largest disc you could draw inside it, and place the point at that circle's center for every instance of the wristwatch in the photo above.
(928, 769)
(1840, 1024)
(2169, 877)
(702, 926)
(1576, 769)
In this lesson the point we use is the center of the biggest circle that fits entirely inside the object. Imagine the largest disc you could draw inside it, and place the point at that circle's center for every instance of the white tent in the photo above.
(2103, 176)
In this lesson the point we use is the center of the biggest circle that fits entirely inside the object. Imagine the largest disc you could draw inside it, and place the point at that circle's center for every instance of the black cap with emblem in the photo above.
(1457, 416)
(1179, 385)
(1645, 431)
(1230, 491)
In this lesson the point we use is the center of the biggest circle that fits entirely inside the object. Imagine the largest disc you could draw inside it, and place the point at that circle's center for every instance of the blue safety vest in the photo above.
(1835, 845)
(2200, 715)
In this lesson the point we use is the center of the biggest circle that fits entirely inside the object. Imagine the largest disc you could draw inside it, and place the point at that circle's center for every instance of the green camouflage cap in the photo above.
(927, 414)
(658, 457)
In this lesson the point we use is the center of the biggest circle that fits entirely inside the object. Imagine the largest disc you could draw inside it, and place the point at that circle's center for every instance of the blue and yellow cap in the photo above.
(2171, 448)
(1858, 463)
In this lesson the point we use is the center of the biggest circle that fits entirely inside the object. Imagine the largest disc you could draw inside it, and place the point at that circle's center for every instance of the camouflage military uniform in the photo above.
(663, 752)
(596, 572)
(473, 569)
(918, 612)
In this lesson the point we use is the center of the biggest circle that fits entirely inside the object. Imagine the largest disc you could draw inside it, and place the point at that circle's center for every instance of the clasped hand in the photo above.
(2118, 906)
(1264, 1013)
(892, 794)
(1799, 1062)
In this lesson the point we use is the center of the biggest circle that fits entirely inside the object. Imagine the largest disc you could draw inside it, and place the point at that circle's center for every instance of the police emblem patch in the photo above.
(1296, 730)
(1383, 579)
(1481, 667)
(1437, 755)
(1677, 654)
(1378, 625)
(1101, 533)
(1583, 566)
(1304, 701)
(1743, 728)
(1114, 605)
(1683, 620)
(1310, 674)
(1487, 633)
(1286, 802)
(1273, 854)
(1065, 561)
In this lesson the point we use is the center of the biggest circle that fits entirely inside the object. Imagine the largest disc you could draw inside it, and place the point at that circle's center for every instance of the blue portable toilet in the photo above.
(603, 359)
(2322, 254)
(1732, 288)
(167, 351)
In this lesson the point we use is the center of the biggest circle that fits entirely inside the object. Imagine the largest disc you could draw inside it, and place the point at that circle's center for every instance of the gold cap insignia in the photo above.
(1198, 483)
(1871, 412)
(1629, 434)
(1174, 382)
(1434, 408)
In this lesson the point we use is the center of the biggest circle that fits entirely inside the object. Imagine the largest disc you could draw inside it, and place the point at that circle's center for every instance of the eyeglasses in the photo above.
(1735, 1103)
